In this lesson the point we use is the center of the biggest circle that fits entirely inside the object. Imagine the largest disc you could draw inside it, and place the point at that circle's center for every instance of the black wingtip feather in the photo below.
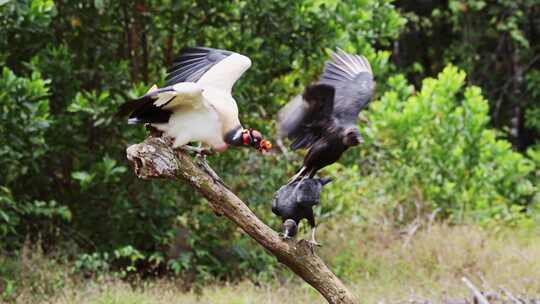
(143, 110)
(127, 108)
(192, 63)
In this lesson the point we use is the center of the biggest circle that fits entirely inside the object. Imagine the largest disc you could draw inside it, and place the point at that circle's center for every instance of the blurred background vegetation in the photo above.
(452, 135)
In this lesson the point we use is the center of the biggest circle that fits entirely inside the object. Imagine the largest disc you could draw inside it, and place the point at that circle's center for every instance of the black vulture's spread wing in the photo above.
(193, 63)
(308, 117)
(352, 77)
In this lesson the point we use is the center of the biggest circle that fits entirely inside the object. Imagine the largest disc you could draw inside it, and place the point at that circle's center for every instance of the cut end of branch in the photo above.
(154, 158)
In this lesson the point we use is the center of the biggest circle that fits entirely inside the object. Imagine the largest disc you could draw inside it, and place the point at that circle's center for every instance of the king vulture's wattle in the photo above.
(196, 104)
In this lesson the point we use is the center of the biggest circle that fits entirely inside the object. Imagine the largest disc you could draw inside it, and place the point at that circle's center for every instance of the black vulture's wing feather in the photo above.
(352, 77)
(193, 63)
(306, 118)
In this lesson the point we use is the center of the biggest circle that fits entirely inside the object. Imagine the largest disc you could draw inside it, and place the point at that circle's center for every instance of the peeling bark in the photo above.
(154, 158)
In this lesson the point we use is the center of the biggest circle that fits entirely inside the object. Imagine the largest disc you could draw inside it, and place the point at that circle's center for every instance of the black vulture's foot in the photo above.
(285, 236)
(313, 243)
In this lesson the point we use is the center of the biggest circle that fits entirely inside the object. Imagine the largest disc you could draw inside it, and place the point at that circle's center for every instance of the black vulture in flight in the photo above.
(323, 119)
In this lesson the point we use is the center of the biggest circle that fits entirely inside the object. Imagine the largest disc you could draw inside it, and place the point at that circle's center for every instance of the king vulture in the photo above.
(323, 119)
(196, 104)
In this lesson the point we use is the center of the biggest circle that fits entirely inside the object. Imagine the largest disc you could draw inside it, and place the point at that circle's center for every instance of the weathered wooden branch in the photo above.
(154, 158)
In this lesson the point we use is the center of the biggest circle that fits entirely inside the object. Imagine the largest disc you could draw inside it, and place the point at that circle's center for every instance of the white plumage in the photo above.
(196, 104)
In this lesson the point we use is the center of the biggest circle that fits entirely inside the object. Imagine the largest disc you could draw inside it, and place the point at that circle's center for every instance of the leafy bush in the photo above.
(24, 120)
(494, 42)
(434, 148)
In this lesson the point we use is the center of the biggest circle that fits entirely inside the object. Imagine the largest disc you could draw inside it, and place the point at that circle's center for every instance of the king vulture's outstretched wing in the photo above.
(157, 105)
(216, 68)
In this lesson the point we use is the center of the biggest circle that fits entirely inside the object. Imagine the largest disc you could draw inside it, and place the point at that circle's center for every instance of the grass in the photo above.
(381, 266)
(377, 262)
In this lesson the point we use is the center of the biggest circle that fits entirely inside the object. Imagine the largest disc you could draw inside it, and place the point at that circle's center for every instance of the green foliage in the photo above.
(68, 66)
(532, 116)
(494, 42)
(67, 180)
(24, 120)
(20, 23)
(436, 150)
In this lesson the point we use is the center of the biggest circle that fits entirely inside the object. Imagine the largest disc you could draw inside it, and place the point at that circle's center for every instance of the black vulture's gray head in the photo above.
(351, 137)
(290, 228)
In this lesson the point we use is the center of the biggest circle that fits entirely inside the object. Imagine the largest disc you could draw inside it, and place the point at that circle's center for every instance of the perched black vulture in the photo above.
(323, 118)
(294, 202)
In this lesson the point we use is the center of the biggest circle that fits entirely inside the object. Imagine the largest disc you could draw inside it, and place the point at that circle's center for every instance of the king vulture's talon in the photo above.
(154, 132)
(192, 149)
(208, 152)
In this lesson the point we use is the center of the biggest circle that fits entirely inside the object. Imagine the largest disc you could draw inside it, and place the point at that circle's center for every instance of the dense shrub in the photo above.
(494, 42)
(434, 147)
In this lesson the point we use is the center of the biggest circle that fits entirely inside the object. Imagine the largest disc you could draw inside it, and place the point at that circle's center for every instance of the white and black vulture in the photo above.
(295, 201)
(323, 119)
(196, 104)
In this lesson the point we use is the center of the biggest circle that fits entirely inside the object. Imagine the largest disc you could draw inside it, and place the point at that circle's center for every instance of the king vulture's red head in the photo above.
(241, 137)
(253, 138)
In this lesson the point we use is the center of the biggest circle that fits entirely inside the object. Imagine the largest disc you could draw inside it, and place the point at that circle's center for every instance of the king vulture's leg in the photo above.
(197, 150)
(154, 132)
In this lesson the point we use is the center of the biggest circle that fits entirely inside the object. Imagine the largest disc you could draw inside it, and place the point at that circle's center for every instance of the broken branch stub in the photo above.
(154, 158)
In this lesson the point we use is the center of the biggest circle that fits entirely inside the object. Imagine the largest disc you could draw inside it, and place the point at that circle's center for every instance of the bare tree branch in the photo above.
(154, 158)
(476, 293)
